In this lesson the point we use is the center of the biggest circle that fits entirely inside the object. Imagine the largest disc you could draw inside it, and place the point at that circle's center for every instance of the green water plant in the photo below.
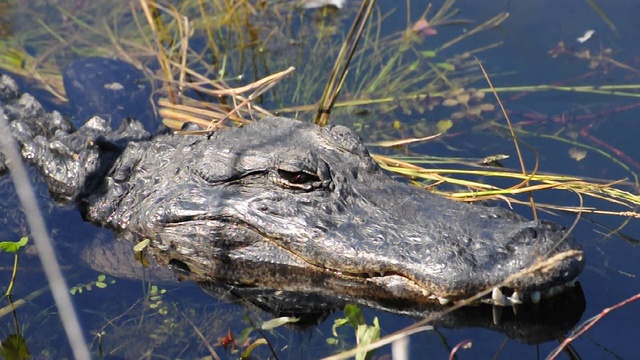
(101, 282)
(13, 247)
(365, 334)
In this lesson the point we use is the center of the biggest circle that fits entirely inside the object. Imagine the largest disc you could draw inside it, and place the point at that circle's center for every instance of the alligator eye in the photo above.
(297, 177)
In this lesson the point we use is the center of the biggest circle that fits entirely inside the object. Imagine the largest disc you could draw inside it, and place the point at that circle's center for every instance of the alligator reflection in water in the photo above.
(291, 200)
(313, 299)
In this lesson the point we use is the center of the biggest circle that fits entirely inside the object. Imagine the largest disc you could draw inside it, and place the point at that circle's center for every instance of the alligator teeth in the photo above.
(514, 307)
(496, 311)
(571, 283)
(443, 301)
(498, 297)
(552, 291)
(516, 297)
(535, 297)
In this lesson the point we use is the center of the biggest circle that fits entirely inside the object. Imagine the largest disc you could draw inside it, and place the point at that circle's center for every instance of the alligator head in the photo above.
(289, 199)
(294, 195)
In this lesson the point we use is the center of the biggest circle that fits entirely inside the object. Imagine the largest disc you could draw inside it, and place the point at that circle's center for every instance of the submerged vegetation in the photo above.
(220, 62)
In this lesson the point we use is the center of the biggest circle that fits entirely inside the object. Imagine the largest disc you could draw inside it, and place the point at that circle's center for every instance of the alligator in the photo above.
(283, 199)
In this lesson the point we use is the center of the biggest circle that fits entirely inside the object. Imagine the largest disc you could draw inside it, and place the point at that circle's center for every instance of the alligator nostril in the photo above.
(530, 233)
(179, 267)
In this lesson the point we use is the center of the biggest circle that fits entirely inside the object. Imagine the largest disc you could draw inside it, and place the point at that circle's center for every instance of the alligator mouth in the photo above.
(505, 296)
(499, 296)
(518, 290)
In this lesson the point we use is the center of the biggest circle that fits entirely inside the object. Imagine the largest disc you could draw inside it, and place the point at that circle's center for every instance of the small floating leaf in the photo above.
(478, 95)
(333, 341)
(444, 125)
(274, 323)
(458, 115)
(450, 102)
(487, 107)
(463, 98)
(577, 154)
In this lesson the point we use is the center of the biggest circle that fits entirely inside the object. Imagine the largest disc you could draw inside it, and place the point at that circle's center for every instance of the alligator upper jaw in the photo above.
(560, 270)
(421, 247)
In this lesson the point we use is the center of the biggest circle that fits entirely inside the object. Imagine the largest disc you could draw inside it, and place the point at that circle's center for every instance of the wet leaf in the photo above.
(444, 125)
(247, 352)
(228, 340)
(338, 323)
(101, 285)
(463, 98)
(333, 341)
(244, 334)
(474, 111)
(14, 347)
(487, 107)
(141, 245)
(422, 28)
(367, 334)
(450, 102)
(13, 246)
(577, 154)
(354, 315)
(102, 277)
(478, 95)
(458, 115)
(274, 323)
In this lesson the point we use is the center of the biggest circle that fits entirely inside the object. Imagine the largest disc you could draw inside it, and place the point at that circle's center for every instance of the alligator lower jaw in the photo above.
(499, 296)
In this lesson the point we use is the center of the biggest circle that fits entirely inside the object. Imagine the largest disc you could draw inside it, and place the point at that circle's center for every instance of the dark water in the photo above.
(532, 29)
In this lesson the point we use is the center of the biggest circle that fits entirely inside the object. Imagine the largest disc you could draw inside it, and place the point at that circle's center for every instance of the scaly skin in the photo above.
(287, 197)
